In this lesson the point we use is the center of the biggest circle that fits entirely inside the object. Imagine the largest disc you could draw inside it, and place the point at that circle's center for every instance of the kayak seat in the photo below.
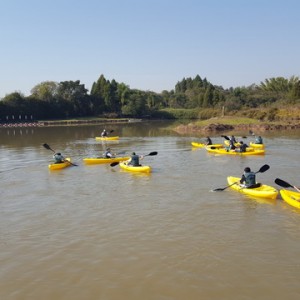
(253, 186)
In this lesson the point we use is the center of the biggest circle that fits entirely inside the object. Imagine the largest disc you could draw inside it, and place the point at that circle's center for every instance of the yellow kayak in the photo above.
(125, 166)
(291, 197)
(263, 191)
(106, 138)
(59, 166)
(227, 143)
(201, 145)
(102, 160)
(257, 146)
(198, 145)
(249, 151)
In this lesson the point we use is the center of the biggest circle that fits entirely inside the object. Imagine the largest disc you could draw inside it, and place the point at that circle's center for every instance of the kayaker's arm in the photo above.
(243, 179)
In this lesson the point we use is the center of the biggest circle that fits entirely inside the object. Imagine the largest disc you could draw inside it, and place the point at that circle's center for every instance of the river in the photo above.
(97, 232)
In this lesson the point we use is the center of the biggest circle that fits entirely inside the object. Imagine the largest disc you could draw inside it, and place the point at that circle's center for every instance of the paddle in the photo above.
(110, 131)
(264, 168)
(225, 137)
(285, 184)
(122, 152)
(49, 148)
(150, 154)
(107, 133)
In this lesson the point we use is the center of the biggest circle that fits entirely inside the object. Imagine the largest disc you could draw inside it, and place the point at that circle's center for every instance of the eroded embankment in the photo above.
(217, 127)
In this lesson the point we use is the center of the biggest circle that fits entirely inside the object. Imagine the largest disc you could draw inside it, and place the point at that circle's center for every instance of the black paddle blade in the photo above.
(219, 189)
(114, 164)
(47, 146)
(264, 168)
(282, 183)
(152, 153)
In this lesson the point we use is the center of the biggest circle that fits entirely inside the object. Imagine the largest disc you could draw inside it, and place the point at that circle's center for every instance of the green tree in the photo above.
(99, 94)
(73, 98)
(135, 105)
(45, 91)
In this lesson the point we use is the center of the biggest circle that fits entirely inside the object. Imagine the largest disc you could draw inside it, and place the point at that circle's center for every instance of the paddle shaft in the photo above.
(222, 189)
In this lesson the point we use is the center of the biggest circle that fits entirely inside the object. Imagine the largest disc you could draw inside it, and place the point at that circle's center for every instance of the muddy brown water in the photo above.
(97, 232)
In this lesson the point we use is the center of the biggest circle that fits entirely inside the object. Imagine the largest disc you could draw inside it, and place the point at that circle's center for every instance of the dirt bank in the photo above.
(218, 127)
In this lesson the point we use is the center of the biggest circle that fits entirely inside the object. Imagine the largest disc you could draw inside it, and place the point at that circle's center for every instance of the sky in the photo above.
(149, 45)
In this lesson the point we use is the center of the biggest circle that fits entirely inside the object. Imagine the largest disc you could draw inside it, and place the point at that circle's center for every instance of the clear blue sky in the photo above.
(147, 44)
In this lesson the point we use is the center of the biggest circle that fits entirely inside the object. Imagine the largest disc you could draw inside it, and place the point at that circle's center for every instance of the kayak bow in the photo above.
(291, 197)
(59, 166)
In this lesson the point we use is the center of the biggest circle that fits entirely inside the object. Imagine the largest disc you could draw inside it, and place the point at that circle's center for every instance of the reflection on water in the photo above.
(99, 232)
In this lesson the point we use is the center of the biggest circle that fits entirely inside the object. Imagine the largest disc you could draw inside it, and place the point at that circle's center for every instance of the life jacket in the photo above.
(107, 154)
(258, 140)
(135, 160)
(58, 158)
(250, 179)
(231, 145)
(243, 147)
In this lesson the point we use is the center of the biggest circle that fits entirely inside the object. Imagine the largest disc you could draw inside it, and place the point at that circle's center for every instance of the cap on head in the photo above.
(58, 153)
(241, 142)
(133, 153)
(247, 169)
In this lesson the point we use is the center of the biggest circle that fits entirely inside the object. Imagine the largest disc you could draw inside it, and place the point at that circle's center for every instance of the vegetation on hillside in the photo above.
(193, 98)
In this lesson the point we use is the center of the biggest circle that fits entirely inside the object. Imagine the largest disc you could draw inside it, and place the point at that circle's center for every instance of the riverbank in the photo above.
(72, 122)
(224, 124)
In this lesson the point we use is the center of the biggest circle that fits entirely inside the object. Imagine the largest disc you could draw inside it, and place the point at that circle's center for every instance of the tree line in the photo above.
(69, 99)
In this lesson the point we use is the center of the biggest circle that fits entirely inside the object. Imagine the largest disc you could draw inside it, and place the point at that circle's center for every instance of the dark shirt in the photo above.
(249, 178)
(243, 147)
(208, 141)
(135, 160)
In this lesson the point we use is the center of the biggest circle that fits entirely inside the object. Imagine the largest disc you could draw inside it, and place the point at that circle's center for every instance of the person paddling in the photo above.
(58, 158)
(134, 160)
(242, 147)
(208, 141)
(248, 179)
(108, 154)
(258, 140)
(104, 133)
(232, 142)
